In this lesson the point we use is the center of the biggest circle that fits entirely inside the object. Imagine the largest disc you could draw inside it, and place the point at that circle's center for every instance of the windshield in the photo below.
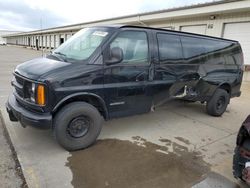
(82, 45)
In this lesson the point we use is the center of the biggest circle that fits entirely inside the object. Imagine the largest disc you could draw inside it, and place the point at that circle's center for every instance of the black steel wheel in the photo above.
(220, 103)
(217, 105)
(77, 125)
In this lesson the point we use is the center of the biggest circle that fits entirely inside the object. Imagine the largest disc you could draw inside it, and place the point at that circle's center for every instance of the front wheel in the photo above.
(217, 105)
(77, 125)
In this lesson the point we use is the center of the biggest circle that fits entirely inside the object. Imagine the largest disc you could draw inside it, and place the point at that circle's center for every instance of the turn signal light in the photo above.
(40, 95)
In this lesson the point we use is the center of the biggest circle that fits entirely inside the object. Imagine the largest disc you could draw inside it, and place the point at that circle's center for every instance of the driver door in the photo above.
(125, 83)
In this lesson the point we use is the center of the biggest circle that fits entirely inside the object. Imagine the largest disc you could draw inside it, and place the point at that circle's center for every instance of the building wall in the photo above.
(47, 40)
(214, 28)
(5, 32)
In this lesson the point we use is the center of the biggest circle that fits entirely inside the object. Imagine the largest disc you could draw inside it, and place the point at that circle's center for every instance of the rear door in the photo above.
(176, 68)
(125, 83)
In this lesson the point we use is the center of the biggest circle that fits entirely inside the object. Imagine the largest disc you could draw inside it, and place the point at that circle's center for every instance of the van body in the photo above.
(115, 71)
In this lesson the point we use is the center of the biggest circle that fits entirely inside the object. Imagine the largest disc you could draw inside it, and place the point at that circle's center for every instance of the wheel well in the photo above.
(226, 87)
(88, 99)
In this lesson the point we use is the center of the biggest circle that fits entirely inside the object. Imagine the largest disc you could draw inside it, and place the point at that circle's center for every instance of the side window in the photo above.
(238, 58)
(193, 48)
(169, 47)
(230, 60)
(216, 51)
(134, 45)
(214, 45)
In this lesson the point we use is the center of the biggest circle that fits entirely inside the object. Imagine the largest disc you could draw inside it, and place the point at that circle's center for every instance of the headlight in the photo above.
(32, 92)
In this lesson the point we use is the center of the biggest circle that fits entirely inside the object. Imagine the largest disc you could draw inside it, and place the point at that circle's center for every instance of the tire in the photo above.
(237, 168)
(217, 105)
(77, 126)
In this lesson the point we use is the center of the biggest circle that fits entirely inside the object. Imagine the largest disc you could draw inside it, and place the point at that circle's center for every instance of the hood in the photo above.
(36, 68)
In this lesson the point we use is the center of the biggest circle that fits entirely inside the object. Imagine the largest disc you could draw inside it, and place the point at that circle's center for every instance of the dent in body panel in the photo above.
(171, 81)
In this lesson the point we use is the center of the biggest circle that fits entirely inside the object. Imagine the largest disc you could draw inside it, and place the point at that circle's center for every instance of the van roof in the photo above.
(172, 31)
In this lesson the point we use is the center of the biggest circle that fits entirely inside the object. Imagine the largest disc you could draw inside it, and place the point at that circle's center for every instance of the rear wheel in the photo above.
(217, 105)
(77, 125)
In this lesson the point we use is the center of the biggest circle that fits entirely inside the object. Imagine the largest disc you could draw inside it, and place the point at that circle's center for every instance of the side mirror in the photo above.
(116, 56)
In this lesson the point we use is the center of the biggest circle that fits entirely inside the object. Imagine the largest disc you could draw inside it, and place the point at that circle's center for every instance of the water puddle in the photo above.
(118, 163)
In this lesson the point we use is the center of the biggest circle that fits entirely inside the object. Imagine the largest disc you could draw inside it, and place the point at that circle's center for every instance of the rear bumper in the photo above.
(26, 117)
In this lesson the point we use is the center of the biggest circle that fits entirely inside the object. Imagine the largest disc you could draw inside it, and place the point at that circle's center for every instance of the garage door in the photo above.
(198, 29)
(241, 33)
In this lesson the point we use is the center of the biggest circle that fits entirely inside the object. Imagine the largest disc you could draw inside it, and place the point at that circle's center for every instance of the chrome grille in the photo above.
(18, 83)
(19, 80)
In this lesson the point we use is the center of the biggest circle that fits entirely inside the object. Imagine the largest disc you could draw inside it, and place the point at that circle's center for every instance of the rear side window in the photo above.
(215, 46)
(230, 60)
(201, 50)
(170, 48)
(193, 47)
(134, 45)
(239, 58)
(216, 52)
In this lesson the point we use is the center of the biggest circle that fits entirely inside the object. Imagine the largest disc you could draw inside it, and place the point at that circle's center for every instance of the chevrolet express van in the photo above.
(109, 72)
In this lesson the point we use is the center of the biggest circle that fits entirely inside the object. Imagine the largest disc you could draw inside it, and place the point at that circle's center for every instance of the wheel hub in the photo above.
(220, 103)
(78, 127)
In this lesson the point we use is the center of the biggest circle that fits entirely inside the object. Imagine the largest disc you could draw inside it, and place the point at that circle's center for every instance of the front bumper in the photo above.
(26, 117)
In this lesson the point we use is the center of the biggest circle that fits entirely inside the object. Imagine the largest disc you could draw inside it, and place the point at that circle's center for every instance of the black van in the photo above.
(114, 71)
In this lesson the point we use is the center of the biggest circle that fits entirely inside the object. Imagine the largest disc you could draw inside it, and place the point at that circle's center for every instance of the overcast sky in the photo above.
(24, 15)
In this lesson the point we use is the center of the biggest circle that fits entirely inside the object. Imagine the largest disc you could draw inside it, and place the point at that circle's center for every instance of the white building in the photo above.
(227, 19)
(3, 33)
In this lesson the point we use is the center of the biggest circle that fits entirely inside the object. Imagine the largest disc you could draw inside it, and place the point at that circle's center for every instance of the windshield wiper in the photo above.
(61, 54)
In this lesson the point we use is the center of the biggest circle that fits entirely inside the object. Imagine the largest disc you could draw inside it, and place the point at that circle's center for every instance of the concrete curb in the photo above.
(18, 166)
(33, 164)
